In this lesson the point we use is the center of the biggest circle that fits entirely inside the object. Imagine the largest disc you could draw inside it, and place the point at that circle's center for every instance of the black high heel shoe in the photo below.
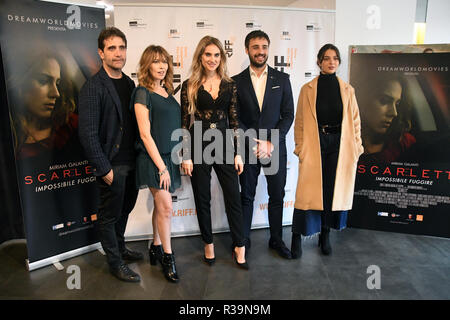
(208, 261)
(243, 265)
(156, 254)
(169, 267)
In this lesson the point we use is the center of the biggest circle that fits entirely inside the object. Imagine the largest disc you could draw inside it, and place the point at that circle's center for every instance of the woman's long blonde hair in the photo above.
(198, 72)
(150, 54)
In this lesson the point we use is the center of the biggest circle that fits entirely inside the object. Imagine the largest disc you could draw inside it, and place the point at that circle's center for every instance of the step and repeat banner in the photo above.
(296, 36)
(48, 52)
(403, 179)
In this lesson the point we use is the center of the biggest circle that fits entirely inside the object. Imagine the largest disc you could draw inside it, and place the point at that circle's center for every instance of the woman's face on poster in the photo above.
(383, 107)
(41, 93)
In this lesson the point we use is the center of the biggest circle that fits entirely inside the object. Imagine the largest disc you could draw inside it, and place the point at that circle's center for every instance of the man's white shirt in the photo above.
(259, 84)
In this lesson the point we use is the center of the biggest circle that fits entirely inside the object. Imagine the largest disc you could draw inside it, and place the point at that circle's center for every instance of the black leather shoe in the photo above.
(155, 253)
(324, 241)
(124, 273)
(169, 267)
(296, 246)
(131, 255)
(281, 249)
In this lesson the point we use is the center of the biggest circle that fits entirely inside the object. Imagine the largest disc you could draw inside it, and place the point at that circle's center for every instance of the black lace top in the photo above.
(209, 110)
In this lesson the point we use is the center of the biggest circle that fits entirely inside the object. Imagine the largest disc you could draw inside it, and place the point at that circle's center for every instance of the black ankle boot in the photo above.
(296, 246)
(155, 253)
(169, 267)
(324, 241)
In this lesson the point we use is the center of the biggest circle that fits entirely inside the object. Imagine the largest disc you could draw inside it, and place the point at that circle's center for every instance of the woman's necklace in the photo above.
(209, 84)
(210, 87)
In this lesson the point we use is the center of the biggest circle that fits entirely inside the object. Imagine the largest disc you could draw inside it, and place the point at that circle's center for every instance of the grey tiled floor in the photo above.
(412, 267)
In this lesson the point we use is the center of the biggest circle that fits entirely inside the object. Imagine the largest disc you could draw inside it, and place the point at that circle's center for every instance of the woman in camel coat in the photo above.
(327, 137)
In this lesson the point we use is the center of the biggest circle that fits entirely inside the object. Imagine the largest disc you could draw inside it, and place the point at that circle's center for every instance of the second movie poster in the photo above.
(403, 177)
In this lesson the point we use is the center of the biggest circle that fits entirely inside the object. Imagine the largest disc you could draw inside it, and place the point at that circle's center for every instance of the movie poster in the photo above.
(48, 51)
(403, 177)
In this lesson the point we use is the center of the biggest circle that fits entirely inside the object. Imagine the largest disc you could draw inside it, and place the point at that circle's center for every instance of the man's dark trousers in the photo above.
(116, 202)
(275, 188)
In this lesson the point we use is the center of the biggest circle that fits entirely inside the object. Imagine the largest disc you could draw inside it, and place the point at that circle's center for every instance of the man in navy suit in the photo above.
(107, 133)
(265, 103)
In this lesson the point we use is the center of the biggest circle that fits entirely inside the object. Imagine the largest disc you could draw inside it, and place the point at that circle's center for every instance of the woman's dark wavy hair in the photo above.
(22, 75)
(328, 46)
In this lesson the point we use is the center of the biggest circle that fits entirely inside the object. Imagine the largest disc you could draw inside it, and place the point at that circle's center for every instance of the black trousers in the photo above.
(329, 150)
(275, 189)
(116, 203)
(201, 185)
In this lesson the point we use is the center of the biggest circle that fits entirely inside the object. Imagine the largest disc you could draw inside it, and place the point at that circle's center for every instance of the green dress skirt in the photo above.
(165, 117)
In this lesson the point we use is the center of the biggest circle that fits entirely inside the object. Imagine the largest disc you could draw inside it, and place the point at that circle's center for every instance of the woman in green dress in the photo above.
(158, 115)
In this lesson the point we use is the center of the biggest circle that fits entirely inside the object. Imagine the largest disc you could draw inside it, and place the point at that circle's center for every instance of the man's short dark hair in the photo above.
(108, 33)
(256, 34)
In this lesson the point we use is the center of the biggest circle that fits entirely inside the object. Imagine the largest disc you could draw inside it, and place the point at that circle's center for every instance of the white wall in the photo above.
(366, 22)
(438, 22)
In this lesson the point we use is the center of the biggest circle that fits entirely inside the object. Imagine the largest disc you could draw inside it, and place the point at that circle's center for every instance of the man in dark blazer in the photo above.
(264, 102)
(107, 131)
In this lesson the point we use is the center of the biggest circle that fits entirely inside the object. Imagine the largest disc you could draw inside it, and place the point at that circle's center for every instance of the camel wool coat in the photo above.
(309, 195)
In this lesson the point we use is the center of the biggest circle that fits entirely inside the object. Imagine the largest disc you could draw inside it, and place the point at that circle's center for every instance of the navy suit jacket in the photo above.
(278, 104)
(100, 120)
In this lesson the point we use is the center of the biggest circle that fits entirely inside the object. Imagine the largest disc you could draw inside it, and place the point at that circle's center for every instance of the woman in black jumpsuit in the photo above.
(210, 95)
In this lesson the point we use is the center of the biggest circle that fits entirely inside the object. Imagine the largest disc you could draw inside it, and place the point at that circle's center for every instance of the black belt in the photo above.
(221, 124)
(327, 129)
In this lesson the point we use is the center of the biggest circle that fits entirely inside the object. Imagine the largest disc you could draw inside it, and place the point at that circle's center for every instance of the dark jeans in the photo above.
(329, 151)
(116, 202)
(201, 186)
(275, 189)
(309, 222)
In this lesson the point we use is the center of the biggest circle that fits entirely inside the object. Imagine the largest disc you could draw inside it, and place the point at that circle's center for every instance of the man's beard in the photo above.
(256, 64)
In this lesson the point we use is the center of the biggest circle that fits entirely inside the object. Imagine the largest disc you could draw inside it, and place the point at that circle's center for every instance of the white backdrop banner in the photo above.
(296, 36)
